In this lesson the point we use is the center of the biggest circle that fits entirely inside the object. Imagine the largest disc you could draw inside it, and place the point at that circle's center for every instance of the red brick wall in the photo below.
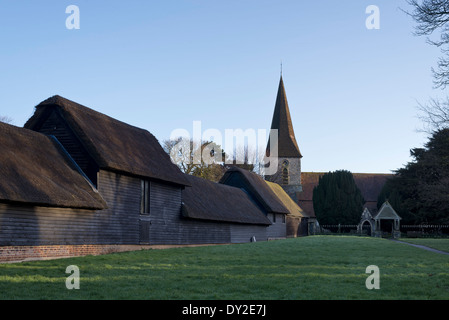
(21, 253)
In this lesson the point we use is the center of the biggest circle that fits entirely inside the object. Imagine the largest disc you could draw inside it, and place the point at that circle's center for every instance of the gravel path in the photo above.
(422, 247)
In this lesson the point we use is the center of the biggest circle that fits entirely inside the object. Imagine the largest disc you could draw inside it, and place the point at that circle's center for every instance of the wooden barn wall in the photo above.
(241, 233)
(167, 226)
(33, 225)
(118, 224)
(56, 126)
(277, 229)
(120, 221)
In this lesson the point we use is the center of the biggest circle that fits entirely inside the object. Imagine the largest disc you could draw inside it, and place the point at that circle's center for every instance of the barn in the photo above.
(299, 223)
(127, 165)
(265, 197)
(76, 181)
(220, 213)
(45, 198)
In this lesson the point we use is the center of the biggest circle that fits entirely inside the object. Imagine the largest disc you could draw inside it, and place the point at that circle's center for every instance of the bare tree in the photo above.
(434, 115)
(247, 157)
(5, 119)
(433, 16)
(182, 156)
(202, 159)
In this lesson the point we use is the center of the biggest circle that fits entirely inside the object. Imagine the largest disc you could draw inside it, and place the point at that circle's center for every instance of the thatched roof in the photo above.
(35, 169)
(207, 200)
(292, 206)
(113, 144)
(256, 187)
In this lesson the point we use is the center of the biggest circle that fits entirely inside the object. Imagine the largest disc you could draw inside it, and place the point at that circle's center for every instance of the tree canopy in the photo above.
(201, 159)
(432, 21)
(208, 160)
(432, 17)
(337, 199)
(419, 192)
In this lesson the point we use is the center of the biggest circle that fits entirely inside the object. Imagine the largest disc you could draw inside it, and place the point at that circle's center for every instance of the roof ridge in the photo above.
(36, 171)
(67, 103)
(112, 143)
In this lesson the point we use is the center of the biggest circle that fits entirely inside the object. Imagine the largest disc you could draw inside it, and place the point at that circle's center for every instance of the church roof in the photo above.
(287, 145)
(387, 212)
(370, 185)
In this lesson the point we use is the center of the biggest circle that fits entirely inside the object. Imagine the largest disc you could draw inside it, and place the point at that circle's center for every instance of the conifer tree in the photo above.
(419, 192)
(337, 199)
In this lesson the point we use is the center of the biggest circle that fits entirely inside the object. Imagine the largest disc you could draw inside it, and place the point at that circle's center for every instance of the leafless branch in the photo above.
(432, 16)
(5, 119)
(434, 114)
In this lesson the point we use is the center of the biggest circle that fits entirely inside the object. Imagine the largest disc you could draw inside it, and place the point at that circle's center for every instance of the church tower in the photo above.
(288, 173)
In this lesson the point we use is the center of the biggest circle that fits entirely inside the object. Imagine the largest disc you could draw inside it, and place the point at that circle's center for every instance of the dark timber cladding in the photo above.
(129, 168)
(44, 199)
(53, 123)
(120, 221)
(198, 222)
(81, 177)
(210, 202)
(263, 197)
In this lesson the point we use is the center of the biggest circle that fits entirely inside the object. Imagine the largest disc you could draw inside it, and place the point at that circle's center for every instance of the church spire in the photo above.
(287, 145)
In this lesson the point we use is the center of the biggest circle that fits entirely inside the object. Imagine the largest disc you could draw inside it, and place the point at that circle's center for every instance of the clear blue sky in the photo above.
(160, 65)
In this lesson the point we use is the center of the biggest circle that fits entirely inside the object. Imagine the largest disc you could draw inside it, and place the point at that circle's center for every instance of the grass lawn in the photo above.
(316, 267)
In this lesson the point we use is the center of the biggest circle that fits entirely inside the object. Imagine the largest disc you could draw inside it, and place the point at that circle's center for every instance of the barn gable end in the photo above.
(262, 196)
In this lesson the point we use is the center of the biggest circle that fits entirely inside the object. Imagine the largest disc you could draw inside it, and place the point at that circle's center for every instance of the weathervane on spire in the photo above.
(281, 68)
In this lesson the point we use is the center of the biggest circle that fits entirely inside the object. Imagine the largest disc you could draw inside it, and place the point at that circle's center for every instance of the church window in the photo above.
(285, 175)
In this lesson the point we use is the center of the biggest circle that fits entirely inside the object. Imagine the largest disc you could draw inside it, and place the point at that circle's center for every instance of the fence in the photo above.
(338, 228)
(426, 230)
(421, 230)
